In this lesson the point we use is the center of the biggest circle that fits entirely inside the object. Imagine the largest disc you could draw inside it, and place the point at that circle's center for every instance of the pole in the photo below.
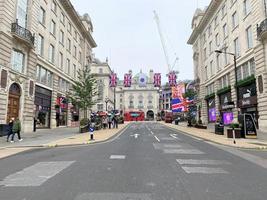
(106, 106)
(237, 95)
(114, 99)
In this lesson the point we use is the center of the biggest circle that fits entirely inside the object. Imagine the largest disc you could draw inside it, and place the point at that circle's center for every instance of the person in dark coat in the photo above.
(16, 129)
(10, 126)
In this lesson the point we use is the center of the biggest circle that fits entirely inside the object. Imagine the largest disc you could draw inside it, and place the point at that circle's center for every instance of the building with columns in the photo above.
(139, 97)
(42, 46)
(105, 97)
(238, 27)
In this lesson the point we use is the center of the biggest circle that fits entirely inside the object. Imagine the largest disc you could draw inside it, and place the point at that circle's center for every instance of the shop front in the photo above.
(42, 103)
(226, 108)
(61, 111)
(211, 110)
(248, 101)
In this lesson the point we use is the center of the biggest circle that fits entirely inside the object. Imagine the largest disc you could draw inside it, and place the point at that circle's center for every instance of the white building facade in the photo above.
(231, 26)
(139, 97)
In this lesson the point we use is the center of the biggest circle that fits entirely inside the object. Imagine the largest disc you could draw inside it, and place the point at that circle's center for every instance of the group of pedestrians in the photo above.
(14, 127)
(109, 121)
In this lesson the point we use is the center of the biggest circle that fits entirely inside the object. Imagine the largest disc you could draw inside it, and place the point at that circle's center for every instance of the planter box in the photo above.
(237, 133)
(219, 129)
(200, 126)
(84, 129)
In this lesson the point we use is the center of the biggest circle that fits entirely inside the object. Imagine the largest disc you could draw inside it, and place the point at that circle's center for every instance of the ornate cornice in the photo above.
(214, 4)
(74, 15)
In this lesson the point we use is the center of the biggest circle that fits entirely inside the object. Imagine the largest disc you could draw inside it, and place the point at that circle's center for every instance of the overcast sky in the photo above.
(126, 32)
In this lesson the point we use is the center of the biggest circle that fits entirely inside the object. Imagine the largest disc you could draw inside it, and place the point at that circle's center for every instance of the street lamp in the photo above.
(237, 95)
(106, 101)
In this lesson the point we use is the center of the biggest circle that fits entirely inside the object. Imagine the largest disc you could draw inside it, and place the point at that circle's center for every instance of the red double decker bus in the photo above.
(134, 116)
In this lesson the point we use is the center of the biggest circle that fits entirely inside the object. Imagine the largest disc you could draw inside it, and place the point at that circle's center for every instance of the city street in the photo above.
(147, 161)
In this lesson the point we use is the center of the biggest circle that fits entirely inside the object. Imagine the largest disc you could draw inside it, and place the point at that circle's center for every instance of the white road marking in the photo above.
(135, 135)
(152, 132)
(35, 175)
(204, 170)
(114, 196)
(201, 162)
(157, 138)
(117, 157)
(182, 151)
(174, 136)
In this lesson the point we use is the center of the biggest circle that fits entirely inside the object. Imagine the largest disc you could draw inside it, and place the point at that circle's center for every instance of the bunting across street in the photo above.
(127, 80)
(172, 78)
(157, 80)
(113, 80)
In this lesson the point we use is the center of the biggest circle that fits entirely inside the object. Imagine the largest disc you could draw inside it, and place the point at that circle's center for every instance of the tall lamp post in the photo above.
(106, 101)
(237, 95)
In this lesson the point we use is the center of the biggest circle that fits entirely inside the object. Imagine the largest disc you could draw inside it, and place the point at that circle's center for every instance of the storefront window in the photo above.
(61, 111)
(211, 110)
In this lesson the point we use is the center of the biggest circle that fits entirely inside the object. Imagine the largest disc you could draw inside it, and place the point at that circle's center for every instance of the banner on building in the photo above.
(172, 78)
(179, 103)
(178, 91)
(142, 80)
(113, 80)
(127, 80)
(157, 80)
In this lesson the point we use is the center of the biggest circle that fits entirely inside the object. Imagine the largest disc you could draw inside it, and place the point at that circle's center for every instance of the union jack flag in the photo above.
(157, 79)
(172, 78)
(113, 80)
(127, 80)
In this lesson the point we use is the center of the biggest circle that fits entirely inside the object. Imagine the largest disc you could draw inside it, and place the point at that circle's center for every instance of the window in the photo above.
(211, 68)
(43, 76)
(247, 7)
(215, 21)
(249, 37)
(18, 60)
(100, 71)
(61, 37)
(223, 10)
(210, 89)
(217, 39)
(54, 7)
(225, 31)
(74, 71)
(22, 12)
(51, 57)
(69, 27)
(245, 70)
(75, 51)
(61, 60)
(226, 57)
(224, 81)
(237, 47)
(265, 7)
(210, 47)
(232, 2)
(234, 20)
(206, 73)
(218, 63)
(40, 45)
(204, 37)
(80, 56)
(63, 85)
(75, 36)
(53, 27)
(69, 45)
(68, 66)
(41, 16)
(205, 53)
(62, 18)
(209, 30)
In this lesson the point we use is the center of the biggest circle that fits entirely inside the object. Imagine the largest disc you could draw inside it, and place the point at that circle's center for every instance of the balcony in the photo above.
(262, 30)
(22, 34)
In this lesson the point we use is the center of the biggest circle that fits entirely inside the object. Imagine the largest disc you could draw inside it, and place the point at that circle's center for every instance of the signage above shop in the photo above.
(228, 105)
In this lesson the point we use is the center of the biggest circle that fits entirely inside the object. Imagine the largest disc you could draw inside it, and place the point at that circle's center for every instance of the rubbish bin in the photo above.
(219, 129)
(4, 128)
(176, 121)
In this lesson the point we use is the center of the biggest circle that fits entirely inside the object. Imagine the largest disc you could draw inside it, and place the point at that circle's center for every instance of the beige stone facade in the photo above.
(42, 46)
(134, 98)
(231, 26)
(105, 97)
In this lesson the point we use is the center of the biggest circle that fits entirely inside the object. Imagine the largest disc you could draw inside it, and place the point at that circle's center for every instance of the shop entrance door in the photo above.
(13, 101)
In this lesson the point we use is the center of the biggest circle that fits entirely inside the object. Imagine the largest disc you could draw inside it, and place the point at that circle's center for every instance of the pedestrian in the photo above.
(16, 129)
(105, 122)
(10, 126)
(115, 121)
(109, 122)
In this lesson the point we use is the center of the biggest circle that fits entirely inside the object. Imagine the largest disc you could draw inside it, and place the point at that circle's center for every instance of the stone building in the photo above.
(143, 97)
(42, 45)
(238, 27)
(105, 98)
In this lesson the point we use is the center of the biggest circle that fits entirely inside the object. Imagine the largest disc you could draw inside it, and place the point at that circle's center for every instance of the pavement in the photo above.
(209, 135)
(146, 161)
(45, 138)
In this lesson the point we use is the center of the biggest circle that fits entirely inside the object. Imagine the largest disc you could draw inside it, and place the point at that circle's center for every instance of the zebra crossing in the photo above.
(190, 159)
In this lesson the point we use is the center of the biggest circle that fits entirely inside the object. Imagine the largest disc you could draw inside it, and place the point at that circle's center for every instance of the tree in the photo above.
(84, 90)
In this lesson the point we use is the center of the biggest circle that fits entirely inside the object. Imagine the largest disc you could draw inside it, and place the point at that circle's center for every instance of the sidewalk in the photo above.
(209, 135)
(53, 138)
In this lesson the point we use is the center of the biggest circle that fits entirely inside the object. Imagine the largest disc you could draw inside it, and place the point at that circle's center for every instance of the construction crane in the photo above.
(163, 42)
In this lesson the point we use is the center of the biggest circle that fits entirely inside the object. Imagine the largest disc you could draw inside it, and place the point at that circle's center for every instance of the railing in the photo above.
(22, 33)
(262, 28)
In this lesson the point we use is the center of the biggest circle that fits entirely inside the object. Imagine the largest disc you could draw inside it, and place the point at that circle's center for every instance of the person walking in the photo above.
(109, 122)
(10, 126)
(16, 129)
(115, 121)
(105, 122)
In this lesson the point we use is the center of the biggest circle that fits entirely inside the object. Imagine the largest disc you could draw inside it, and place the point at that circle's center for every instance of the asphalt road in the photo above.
(148, 161)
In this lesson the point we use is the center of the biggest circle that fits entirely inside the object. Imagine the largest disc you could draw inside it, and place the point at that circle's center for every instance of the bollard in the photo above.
(234, 135)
